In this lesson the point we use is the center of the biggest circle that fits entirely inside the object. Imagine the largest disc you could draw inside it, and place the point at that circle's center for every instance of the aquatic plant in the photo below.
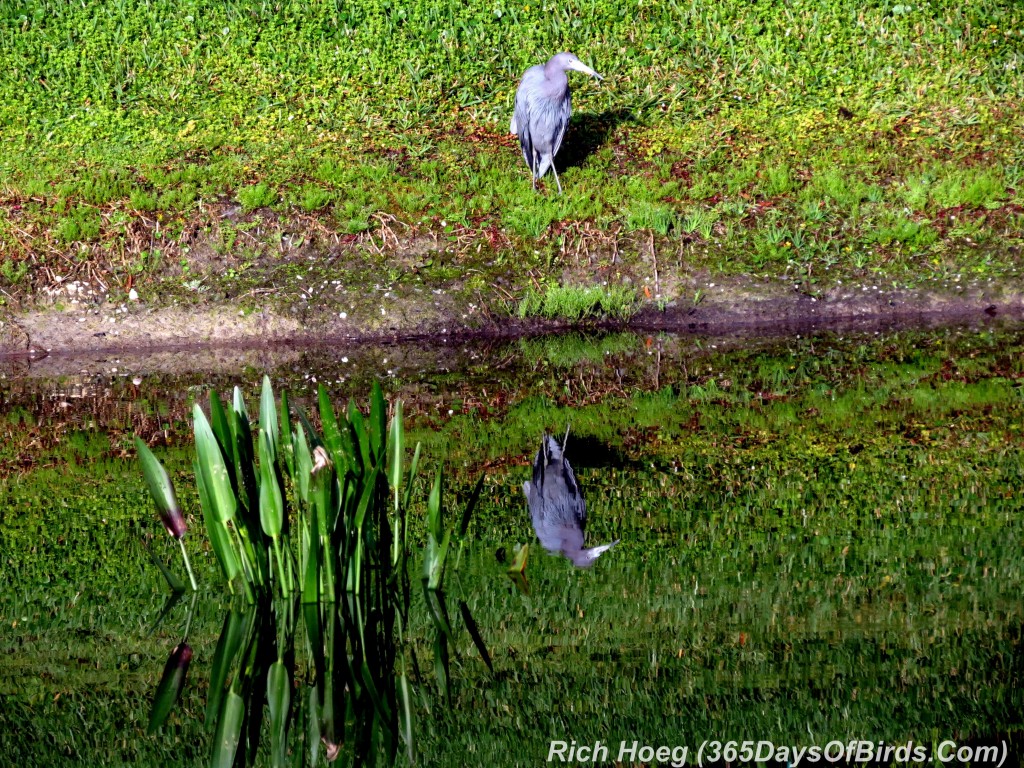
(293, 514)
(331, 491)
(172, 681)
(162, 490)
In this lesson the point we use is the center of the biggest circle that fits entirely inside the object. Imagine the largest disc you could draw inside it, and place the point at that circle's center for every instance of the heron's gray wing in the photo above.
(562, 121)
(557, 507)
(523, 109)
(558, 538)
(522, 121)
(574, 490)
(540, 463)
(557, 512)
(556, 486)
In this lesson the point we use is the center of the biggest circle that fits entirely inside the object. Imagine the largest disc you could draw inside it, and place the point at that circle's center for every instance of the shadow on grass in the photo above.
(587, 133)
(592, 453)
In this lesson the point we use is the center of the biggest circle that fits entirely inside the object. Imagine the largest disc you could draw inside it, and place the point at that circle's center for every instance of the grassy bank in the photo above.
(197, 150)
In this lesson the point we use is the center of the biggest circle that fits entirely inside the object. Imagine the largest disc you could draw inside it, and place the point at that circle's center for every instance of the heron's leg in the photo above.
(533, 173)
(554, 171)
(565, 439)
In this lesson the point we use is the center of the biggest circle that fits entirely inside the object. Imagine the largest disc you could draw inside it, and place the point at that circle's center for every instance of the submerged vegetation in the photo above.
(162, 147)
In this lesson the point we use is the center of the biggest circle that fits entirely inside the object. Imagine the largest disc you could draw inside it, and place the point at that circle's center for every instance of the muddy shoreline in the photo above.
(66, 338)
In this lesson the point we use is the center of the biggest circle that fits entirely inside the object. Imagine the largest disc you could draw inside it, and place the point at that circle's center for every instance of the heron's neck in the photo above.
(555, 75)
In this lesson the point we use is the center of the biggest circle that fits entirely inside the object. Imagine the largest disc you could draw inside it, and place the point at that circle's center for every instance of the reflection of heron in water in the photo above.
(557, 507)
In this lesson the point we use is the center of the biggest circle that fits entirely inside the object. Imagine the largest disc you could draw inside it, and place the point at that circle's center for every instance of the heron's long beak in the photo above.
(585, 558)
(579, 66)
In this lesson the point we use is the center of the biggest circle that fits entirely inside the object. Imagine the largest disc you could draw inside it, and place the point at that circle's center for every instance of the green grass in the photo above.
(256, 196)
(843, 121)
(576, 303)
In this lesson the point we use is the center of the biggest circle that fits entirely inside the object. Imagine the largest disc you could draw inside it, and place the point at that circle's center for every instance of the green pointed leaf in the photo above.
(221, 426)
(220, 540)
(219, 421)
(470, 506)
(177, 585)
(474, 632)
(434, 521)
(337, 439)
(346, 459)
(355, 567)
(405, 701)
(311, 560)
(252, 545)
(311, 433)
(378, 421)
(378, 703)
(213, 468)
(268, 418)
(437, 554)
(230, 641)
(438, 611)
(172, 600)
(315, 634)
(442, 663)
(229, 731)
(313, 731)
(303, 463)
(172, 682)
(399, 545)
(286, 449)
(413, 469)
(437, 538)
(369, 491)
(396, 451)
(271, 498)
(360, 436)
(278, 699)
(245, 461)
(328, 420)
(161, 489)
(284, 550)
(321, 493)
(324, 493)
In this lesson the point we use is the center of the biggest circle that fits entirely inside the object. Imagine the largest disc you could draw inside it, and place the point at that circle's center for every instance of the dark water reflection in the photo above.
(820, 540)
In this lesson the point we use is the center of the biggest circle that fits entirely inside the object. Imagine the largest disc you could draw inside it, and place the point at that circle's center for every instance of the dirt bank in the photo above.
(701, 307)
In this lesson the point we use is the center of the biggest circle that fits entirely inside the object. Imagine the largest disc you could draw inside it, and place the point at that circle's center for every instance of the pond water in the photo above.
(820, 544)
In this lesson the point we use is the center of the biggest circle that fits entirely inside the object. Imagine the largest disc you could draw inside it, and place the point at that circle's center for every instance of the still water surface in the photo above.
(820, 539)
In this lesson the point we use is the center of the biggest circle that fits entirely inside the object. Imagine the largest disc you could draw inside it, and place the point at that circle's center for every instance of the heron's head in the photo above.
(584, 558)
(566, 61)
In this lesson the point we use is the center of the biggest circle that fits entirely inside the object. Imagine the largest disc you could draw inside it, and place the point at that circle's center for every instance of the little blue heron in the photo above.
(543, 105)
(557, 507)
